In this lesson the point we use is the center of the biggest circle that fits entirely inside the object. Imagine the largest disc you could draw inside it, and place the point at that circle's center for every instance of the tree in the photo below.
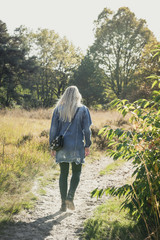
(89, 78)
(10, 59)
(119, 41)
(50, 61)
(142, 84)
(35, 68)
(13, 65)
(57, 58)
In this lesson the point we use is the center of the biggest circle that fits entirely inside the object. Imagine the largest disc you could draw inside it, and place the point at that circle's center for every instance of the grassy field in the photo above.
(25, 154)
(112, 118)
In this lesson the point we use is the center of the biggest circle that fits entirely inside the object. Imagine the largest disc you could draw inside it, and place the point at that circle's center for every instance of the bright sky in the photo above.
(73, 18)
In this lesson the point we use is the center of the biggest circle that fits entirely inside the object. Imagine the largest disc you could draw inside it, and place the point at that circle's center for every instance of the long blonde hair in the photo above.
(68, 103)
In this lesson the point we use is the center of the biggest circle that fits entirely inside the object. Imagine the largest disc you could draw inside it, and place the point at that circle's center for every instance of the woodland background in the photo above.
(36, 67)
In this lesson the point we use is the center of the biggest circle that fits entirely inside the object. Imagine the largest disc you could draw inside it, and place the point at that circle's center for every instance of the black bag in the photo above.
(57, 143)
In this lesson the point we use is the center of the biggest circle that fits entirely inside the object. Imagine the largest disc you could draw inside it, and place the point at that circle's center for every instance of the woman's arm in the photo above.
(86, 127)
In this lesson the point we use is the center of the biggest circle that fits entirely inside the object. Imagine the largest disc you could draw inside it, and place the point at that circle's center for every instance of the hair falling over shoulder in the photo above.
(68, 103)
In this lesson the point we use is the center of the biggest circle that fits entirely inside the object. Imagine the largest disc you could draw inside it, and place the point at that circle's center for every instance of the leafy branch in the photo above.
(141, 145)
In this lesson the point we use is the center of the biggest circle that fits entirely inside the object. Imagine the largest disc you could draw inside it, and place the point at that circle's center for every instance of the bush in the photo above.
(142, 146)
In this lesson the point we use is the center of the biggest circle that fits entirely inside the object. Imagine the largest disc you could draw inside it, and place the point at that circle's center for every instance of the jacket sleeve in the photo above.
(54, 126)
(86, 124)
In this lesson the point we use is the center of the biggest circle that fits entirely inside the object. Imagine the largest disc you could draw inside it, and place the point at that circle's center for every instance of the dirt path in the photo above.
(46, 222)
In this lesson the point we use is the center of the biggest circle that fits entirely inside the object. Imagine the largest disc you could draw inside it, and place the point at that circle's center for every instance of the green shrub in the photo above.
(142, 146)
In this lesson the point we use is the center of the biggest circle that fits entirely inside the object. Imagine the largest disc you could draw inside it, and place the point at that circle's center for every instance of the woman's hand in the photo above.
(53, 153)
(86, 152)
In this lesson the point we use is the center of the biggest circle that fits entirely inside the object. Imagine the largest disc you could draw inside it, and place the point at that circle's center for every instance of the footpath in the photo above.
(46, 222)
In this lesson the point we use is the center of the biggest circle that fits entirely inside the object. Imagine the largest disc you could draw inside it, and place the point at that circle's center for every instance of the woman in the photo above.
(71, 117)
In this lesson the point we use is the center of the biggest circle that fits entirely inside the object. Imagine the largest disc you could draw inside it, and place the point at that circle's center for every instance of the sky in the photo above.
(73, 18)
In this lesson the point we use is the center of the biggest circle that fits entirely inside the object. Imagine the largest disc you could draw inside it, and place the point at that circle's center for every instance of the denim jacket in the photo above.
(77, 137)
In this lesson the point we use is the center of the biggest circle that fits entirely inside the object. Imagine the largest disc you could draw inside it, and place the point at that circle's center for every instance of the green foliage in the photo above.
(141, 145)
(35, 67)
(119, 40)
(57, 58)
(111, 224)
(13, 64)
(89, 78)
(141, 87)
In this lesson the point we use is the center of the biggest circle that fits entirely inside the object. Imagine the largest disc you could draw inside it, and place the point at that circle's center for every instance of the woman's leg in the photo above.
(76, 172)
(63, 182)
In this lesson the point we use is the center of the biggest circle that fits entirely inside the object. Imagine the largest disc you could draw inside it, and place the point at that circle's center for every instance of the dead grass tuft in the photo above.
(110, 117)
(24, 139)
(31, 114)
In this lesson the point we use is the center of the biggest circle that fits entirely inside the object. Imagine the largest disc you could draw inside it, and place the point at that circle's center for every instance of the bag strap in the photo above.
(70, 123)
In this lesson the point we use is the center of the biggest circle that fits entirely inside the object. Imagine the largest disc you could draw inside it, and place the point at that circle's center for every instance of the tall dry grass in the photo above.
(22, 113)
(100, 119)
(110, 117)
(24, 155)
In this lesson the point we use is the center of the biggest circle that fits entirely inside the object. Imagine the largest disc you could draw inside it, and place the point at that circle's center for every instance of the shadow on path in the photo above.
(36, 230)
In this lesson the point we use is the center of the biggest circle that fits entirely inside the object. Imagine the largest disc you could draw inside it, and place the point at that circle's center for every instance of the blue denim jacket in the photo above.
(76, 138)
